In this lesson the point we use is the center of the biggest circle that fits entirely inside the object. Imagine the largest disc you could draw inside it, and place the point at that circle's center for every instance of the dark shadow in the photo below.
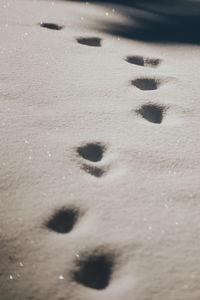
(94, 272)
(163, 21)
(89, 41)
(92, 151)
(51, 26)
(152, 113)
(143, 61)
(62, 220)
(94, 171)
(146, 84)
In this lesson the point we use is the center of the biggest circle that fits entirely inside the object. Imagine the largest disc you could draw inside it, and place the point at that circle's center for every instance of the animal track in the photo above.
(51, 26)
(93, 151)
(143, 61)
(152, 113)
(90, 41)
(63, 220)
(94, 272)
(95, 171)
(146, 84)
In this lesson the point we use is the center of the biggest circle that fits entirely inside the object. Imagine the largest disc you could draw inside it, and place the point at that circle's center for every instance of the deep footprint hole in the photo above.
(90, 41)
(52, 26)
(93, 152)
(146, 84)
(143, 61)
(63, 220)
(94, 272)
(152, 113)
